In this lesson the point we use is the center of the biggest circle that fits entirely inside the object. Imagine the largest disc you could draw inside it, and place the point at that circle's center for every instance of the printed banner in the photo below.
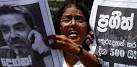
(24, 27)
(116, 32)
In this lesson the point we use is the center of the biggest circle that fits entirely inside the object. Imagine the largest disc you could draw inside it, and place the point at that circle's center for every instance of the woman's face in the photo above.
(74, 25)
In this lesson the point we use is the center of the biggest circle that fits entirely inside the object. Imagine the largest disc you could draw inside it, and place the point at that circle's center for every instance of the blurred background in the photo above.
(56, 4)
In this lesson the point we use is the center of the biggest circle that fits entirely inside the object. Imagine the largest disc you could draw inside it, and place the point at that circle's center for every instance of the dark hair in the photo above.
(59, 14)
(12, 9)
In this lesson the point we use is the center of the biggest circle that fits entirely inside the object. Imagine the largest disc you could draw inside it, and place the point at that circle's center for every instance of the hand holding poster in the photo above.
(114, 23)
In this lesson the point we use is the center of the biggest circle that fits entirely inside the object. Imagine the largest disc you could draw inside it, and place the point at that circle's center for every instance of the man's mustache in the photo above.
(17, 40)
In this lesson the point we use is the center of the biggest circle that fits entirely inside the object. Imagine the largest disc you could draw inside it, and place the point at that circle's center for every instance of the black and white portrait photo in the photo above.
(23, 41)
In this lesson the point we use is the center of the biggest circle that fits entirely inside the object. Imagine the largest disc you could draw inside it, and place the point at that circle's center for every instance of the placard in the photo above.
(24, 34)
(114, 23)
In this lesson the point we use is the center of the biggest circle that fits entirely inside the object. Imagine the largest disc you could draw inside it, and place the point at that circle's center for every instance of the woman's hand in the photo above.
(90, 38)
(64, 43)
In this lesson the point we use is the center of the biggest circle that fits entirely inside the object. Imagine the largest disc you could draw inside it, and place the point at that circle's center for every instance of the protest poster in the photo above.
(24, 27)
(114, 24)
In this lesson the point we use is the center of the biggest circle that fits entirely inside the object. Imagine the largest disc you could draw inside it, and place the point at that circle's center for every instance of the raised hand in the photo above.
(90, 38)
(37, 42)
(64, 43)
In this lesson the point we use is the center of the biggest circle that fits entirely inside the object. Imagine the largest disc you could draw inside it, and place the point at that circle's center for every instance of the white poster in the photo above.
(114, 23)
(24, 27)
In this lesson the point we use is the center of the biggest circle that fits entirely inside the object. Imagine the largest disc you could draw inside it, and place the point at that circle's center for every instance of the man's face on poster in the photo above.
(15, 30)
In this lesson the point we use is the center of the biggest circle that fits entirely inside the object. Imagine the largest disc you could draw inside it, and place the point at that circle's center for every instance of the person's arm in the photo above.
(86, 58)
(67, 45)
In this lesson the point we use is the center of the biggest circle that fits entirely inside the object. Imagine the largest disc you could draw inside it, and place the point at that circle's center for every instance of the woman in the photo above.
(72, 28)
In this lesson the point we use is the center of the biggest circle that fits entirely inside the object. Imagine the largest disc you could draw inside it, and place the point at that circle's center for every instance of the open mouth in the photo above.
(73, 33)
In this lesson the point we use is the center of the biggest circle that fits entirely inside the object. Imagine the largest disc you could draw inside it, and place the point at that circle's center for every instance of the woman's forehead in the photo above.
(72, 11)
